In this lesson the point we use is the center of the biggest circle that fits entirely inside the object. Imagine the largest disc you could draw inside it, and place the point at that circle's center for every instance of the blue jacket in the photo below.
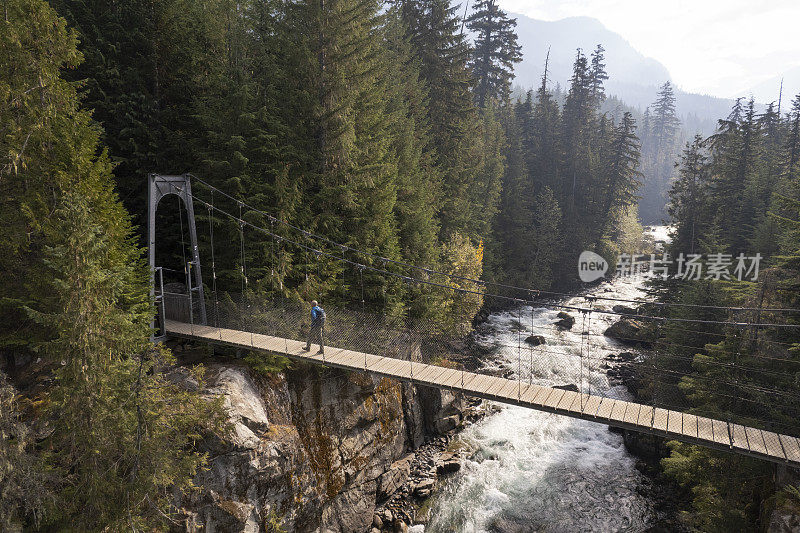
(317, 316)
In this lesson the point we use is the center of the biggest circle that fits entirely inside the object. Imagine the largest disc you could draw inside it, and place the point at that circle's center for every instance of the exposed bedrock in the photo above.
(311, 449)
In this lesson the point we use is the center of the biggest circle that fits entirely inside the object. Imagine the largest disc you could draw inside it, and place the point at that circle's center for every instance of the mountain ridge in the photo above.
(633, 77)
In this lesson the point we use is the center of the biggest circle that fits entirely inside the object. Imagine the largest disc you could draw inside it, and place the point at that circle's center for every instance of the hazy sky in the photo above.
(718, 47)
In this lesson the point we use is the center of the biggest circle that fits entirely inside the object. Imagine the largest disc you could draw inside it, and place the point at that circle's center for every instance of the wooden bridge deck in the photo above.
(677, 425)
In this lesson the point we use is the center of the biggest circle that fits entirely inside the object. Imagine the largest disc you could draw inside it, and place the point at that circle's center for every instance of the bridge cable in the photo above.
(183, 237)
(530, 348)
(383, 293)
(656, 349)
(519, 354)
(361, 282)
(244, 268)
(664, 319)
(213, 265)
(187, 270)
(272, 271)
(580, 358)
(482, 282)
(588, 350)
(508, 298)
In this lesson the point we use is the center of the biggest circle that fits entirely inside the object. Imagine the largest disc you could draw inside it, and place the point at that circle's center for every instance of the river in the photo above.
(531, 471)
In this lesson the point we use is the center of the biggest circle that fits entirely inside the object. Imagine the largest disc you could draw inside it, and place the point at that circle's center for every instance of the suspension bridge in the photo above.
(421, 354)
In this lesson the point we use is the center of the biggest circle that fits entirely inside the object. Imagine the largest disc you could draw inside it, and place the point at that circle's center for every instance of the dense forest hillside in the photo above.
(380, 126)
(387, 126)
(735, 195)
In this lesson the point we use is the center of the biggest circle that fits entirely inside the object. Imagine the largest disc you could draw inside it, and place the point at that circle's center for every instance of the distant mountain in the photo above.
(563, 37)
(633, 77)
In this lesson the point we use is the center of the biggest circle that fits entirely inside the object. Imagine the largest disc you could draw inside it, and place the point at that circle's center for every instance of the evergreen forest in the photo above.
(389, 126)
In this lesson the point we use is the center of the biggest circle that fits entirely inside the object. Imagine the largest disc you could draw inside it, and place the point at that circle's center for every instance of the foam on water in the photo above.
(531, 471)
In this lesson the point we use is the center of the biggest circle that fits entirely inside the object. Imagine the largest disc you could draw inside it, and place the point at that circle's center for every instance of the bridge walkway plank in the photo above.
(672, 424)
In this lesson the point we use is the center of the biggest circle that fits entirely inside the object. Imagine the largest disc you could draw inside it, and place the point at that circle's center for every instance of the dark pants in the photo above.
(315, 336)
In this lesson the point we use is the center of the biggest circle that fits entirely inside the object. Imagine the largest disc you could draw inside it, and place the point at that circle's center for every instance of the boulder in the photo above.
(448, 467)
(244, 404)
(535, 340)
(622, 357)
(648, 447)
(424, 488)
(448, 423)
(624, 309)
(394, 478)
(630, 331)
(566, 321)
(784, 521)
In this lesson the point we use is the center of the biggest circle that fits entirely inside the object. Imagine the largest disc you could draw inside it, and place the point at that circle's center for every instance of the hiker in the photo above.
(317, 325)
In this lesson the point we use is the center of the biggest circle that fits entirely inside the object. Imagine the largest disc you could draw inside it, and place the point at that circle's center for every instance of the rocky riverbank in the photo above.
(423, 472)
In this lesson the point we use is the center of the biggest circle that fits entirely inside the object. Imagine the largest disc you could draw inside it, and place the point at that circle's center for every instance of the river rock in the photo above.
(784, 521)
(648, 447)
(566, 321)
(624, 309)
(448, 463)
(448, 423)
(535, 340)
(516, 325)
(394, 478)
(448, 467)
(622, 357)
(424, 488)
(630, 331)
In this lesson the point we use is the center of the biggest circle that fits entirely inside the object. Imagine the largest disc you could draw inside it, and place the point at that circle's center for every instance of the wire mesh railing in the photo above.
(725, 368)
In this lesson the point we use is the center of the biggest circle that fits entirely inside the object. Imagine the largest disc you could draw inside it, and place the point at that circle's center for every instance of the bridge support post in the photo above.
(159, 186)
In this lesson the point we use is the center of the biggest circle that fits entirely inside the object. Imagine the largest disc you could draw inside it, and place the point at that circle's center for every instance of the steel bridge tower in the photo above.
(191, 305)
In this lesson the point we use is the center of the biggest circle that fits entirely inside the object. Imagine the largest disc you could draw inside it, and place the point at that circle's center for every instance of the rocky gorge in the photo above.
(320, 449)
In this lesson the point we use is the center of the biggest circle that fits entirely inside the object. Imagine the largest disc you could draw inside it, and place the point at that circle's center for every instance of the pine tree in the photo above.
(540, 124)
(120, 433)
(622, 177)
(513, 225)
(793, 138)
(736, 149)
(689, 197)
(144, 62)
(351, 182)
(465, 143)
(418, 179)
(665, 122)
(496, 51)
(577, 119)
(661, 139)
(598, 76)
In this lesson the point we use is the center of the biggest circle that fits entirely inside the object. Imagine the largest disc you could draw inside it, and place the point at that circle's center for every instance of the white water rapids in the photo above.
(531, 471)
